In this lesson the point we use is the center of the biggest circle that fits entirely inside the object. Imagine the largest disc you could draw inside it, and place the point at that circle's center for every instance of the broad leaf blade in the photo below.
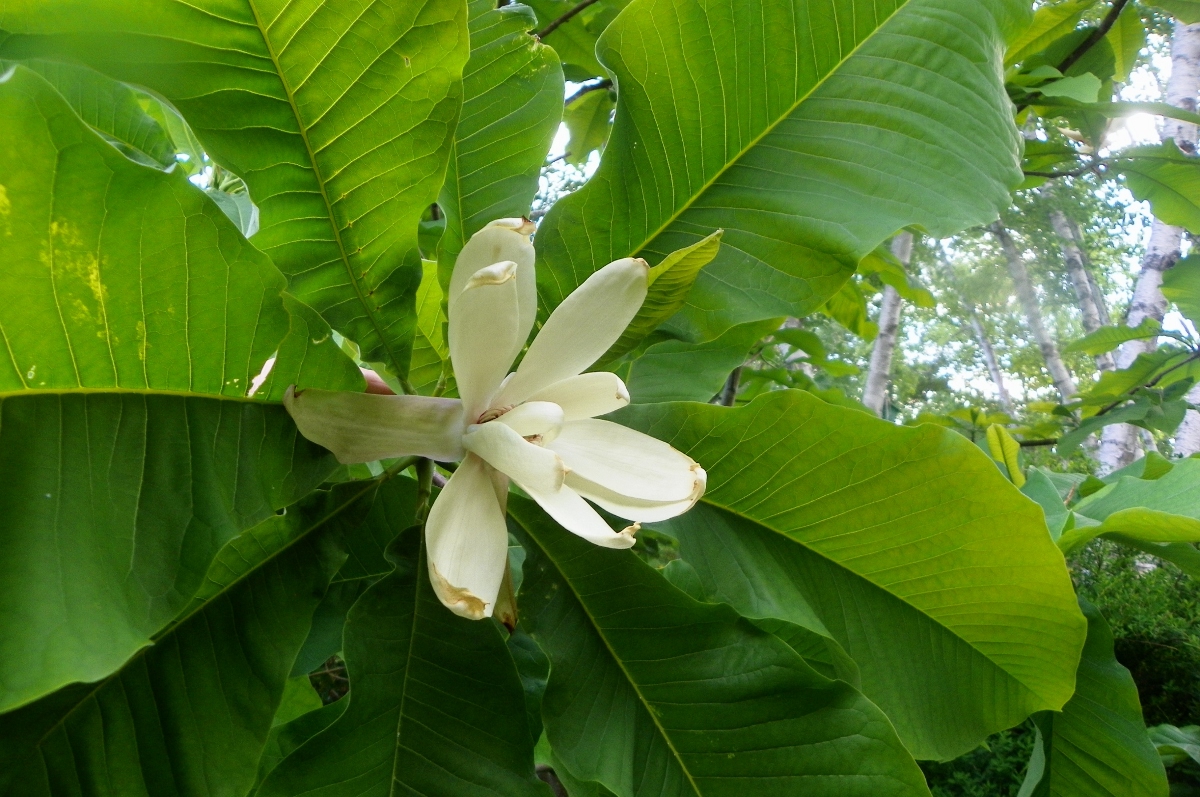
(338, 117)
(653, 692)
(189, 715)
(911, 549)
(1098, 745)
(1166, 178)
(777, 123)
(136, 319)
(436, 707)
(512, 104)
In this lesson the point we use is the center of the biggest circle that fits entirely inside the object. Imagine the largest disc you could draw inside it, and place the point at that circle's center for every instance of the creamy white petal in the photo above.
(637, 509)
(586, 395)
(483, 326)
(628, 462)
(507, 451)
(364, 427)
(503, 239)
(467, 542)
(581, 329)
(534, 418)
(578, 517)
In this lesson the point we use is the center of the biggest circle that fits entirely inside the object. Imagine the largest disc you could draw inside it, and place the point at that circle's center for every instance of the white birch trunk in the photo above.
(1089, 308)
(1033, 314)
(1119, 444)
(880, 370)
(989, 357)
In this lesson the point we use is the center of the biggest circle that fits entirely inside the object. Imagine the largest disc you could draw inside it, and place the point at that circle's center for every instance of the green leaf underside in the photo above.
(1181, 284)
(1097, 746)
(678, 371)
(1166, 178)
(906, 545)
(1161, 510)
(588, 121)
(190, 714)
(1187, 11)
(512, 104)
(436, 707)
(110, 107)
(670, 283)
(687, 698)
(1106, 339)
(338, 116)
(808, 159)
(134, 318)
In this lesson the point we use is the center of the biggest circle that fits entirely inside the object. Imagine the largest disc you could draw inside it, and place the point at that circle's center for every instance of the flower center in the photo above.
(493, 413)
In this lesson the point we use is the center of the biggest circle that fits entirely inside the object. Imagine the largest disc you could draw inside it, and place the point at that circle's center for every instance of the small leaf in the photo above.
(1186, 11)
(1166, 178)
(1006, 451)
(1082, 88)
(1106, 339)
(1127, 37)
(670, 282)
(1050, 22)
(588, 119)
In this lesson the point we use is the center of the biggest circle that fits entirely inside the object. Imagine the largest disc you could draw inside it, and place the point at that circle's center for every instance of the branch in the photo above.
(1099, 33)
(1091, 167)
(599, 84)
(1034, 443)
(565, 18)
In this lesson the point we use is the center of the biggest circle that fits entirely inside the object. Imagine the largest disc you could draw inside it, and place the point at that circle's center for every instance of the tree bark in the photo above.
(1119, 444)
(1082, 282)
(989, 356)
(1187, 438)
(1033, 314)
(880, 371)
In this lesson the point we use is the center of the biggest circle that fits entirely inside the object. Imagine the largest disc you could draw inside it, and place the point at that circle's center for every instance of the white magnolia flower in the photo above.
(536, 426)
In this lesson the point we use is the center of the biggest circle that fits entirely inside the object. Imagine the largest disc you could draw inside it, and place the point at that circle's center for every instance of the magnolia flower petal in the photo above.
(467, 542)
(628, 462)
(578, 517)
(586, 395)
(483, 327)
(364, 427)
(636, 509)
(529, 465)
(503, 239)
(581, 329)
(542, 419)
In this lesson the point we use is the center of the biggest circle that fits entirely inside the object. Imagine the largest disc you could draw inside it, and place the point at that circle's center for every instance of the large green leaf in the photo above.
(652, 692)
(809, 131)
(189, 715)
(338, 115)
(906, 545)
(436, 706)
(1166, 178)
(513, 101)
(1161, 510)
(1098, 745)
(135, 318)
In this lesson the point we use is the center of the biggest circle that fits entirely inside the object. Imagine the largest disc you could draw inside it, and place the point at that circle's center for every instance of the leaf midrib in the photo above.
(620, 664)
(767, 130)
(312, 159)
(128, 391)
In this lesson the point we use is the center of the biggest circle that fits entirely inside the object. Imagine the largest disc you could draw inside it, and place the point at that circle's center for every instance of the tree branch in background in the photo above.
(565, 18)
(1091, 167)
(1099, 33)
(728, 394)
(589, 87)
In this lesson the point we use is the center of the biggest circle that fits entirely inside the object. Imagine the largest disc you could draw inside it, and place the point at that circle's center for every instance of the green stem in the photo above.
(424, 488)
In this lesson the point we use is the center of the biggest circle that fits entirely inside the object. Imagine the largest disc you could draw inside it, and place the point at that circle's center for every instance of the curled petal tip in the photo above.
(495, 274)
(520, 225)
(457, 599)
(642, 263)
(626, 535)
